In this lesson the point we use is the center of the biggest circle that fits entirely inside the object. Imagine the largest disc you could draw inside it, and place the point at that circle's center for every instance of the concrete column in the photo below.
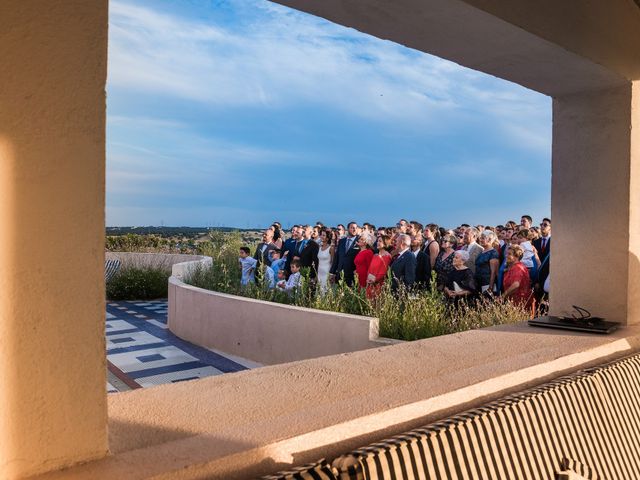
(52, 162)
(594, 204)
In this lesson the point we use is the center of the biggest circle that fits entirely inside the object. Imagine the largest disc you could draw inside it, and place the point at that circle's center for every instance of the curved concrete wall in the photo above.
(264, 332)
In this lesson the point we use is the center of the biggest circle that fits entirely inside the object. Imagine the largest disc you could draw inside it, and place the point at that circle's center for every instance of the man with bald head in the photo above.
(403, 268)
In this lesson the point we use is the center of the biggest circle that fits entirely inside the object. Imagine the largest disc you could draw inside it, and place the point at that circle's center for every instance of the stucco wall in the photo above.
(53, 407)
(265, 332)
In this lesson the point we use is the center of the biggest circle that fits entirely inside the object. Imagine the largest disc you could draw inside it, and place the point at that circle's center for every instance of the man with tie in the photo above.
(289, 249)
(343, 261)
(403, 268)
(264, 248)
(543, 246)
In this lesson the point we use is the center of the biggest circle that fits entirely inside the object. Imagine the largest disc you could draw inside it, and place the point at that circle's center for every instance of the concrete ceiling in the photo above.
(509, 39)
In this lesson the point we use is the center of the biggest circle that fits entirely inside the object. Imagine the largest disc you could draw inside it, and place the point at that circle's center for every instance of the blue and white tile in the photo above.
(118, 325)
(174, 377)
(146, 359)
(125, 340)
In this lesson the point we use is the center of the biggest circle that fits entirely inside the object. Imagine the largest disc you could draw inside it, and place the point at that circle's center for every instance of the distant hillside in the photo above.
(167, 232)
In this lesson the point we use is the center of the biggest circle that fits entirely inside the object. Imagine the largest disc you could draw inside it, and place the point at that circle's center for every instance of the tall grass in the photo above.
(403, 315)
(140, 279)
(139, 283)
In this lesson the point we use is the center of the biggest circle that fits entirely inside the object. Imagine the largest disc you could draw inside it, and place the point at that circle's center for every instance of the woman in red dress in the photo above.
(363, 258)
(379, 267)
(516, 282)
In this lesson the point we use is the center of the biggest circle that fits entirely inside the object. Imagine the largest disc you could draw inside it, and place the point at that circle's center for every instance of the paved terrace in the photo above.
(142, 352)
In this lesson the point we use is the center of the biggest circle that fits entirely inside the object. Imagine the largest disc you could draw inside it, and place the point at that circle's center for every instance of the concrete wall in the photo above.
(265, 332)
(53, 408)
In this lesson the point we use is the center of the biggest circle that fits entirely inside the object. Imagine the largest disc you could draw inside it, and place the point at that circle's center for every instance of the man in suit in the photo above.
(403, 268)
(264, 248)
(543, 246)
(471, 246)
(309, 254)
(423, 265)
(289, 247)
(346, 252)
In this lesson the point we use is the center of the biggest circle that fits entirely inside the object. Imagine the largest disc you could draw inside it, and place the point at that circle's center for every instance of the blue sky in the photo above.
(241, 112)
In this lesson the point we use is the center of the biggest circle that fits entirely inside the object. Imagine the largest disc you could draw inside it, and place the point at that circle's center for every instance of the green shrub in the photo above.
(139, 283)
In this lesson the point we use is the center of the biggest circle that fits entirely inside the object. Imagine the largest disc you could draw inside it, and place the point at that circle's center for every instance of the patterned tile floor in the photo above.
(142, 352)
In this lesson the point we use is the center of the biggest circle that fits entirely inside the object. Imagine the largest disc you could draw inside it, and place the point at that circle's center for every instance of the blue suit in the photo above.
(343, 261)
(403, 270)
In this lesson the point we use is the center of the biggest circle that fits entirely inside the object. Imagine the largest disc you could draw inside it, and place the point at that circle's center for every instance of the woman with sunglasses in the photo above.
(444, 261)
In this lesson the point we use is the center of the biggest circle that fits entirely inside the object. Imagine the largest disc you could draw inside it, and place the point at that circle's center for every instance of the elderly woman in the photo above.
(487, 262)
(516, 283)
(364, 257)
(444, 262)
(379, 266)
(460, 282)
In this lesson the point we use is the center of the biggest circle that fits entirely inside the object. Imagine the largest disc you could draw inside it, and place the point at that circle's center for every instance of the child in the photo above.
(269, 278)
(277, 263)
(282, 279)
(248, 265)
(294, 279)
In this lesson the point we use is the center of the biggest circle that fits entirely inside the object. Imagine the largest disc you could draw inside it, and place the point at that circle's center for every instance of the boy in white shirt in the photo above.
(248, 266)
(294, 279)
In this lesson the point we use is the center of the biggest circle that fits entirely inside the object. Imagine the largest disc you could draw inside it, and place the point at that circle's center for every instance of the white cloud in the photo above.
(288, 58)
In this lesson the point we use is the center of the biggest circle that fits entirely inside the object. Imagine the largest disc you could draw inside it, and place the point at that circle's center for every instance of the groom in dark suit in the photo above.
(403, 268)
(345, 254)
(543, 244)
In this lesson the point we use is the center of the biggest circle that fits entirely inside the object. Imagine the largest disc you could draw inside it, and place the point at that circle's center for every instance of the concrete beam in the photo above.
(462, 33)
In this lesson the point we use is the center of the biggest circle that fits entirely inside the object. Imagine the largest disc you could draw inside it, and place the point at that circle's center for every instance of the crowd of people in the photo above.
(510, 260)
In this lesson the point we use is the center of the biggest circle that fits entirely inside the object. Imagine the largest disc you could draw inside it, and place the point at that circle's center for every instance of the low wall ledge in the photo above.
(246, 424)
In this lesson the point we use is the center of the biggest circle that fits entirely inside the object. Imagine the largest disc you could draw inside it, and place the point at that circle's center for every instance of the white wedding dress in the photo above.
(324, 265)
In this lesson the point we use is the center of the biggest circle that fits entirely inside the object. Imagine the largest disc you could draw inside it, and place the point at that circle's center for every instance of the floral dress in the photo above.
(443, 267)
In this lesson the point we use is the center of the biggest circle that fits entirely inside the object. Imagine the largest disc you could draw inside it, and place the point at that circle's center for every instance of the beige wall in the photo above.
(265, 332)
(591, 203)
(53, 409)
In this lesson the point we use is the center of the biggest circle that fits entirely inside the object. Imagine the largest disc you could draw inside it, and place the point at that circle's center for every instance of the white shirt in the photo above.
(527, 258)
(269, 277)
(248, 265)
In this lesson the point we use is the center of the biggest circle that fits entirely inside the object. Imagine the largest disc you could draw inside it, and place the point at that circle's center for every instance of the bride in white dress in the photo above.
(325, 258)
